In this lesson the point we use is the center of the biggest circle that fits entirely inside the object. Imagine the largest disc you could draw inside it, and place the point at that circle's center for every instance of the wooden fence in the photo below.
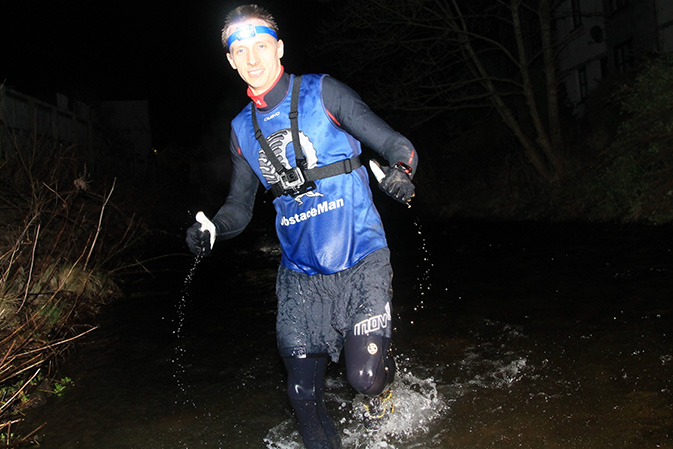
(111, 134)
(29, 123)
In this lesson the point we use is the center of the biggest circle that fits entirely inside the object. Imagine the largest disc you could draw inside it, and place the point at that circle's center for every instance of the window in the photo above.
(623, 56)
(577, 13)
(604, 67)
(533, 41)
(582, 83)
(617, 4)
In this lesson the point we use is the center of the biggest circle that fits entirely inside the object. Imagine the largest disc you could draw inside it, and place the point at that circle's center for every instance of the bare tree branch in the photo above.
(423, 58)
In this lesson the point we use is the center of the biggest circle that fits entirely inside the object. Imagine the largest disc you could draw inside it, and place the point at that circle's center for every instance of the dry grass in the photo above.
(61, 244)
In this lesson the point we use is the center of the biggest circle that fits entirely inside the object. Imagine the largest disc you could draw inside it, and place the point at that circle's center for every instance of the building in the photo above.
(602, 38)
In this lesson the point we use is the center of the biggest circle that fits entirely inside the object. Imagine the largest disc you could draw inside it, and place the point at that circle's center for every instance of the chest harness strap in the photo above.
(297, 180)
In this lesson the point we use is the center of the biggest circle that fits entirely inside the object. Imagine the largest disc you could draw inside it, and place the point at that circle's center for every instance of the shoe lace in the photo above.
(380, 405)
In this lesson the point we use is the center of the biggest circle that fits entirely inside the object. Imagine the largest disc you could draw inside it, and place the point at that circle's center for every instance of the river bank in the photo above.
(512, 335)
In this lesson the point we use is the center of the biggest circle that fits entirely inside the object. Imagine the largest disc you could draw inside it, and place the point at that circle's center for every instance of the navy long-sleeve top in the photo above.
(347, 110)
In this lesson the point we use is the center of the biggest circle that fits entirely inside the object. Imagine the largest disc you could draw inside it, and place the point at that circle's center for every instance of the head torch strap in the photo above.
(248, 31)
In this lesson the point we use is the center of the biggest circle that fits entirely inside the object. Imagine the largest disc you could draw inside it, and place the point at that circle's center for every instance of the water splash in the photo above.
(180, 347)
(284, 437)
(423, 281)
(494, 361)
(417, 405)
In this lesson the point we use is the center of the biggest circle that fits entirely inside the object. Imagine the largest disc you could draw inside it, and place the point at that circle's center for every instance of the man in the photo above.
(300, 137)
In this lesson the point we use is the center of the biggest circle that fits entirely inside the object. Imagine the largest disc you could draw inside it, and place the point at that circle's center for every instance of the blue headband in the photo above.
(248, 31)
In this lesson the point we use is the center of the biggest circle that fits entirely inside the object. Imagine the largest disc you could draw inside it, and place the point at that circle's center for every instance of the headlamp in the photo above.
(248, 31)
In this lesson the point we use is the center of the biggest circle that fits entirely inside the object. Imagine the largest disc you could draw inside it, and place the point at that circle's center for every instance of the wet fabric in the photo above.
(370, 367)
(332, 227)
(348, 112)
(306, 390)
(316, 312)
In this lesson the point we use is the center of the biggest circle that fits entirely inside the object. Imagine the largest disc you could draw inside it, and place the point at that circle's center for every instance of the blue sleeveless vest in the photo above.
(328, 229)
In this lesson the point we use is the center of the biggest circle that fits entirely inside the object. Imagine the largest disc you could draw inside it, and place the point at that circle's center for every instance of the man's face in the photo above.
(257, 59)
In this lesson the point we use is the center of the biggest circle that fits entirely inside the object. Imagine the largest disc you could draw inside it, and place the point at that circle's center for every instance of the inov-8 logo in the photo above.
(374, 323)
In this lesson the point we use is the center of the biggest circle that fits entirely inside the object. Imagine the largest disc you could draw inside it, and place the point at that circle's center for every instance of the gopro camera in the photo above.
(294, 183)
(292, 179)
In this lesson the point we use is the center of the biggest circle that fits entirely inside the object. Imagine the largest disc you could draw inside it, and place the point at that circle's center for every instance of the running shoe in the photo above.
(378, 409)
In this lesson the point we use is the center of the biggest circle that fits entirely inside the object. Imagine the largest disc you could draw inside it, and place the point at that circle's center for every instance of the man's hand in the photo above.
(397, 184)
(198, 240)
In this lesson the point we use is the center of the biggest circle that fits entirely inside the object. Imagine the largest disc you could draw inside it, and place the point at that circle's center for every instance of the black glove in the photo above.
(198, 240)
(397, 184)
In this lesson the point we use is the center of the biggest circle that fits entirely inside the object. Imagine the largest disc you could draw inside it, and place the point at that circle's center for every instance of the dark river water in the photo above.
(506, 336)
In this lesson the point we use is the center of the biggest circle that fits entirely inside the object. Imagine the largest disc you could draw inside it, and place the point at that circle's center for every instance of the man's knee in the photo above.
(305, 381)
(297, 391)
(373, 383)
(370, 367)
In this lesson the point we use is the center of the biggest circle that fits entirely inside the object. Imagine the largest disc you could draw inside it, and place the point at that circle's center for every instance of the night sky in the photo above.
(165, 52)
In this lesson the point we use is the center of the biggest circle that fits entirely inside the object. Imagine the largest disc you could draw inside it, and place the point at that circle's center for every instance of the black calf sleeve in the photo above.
(305, 388)
(369, 365)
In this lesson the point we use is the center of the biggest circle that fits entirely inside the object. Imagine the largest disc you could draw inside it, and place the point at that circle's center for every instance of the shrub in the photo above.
(636, 174)
(62, 241)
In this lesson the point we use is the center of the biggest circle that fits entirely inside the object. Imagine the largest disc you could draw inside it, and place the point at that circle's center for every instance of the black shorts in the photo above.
(316, 312)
